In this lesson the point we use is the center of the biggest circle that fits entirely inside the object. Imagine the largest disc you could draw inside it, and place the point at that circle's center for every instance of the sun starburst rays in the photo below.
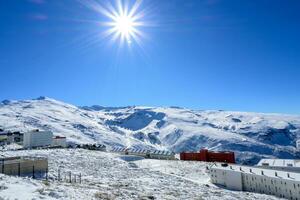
(124, 23)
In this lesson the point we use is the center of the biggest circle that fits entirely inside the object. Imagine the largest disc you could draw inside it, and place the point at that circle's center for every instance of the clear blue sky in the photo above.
(201, 54)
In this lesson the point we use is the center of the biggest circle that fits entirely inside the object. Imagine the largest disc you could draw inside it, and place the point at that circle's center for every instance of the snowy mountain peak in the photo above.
(5, 102)
(250, 135)
(41, 98)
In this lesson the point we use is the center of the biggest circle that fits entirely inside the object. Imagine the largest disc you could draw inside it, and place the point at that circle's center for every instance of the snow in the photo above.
(110, 176)
(252, 135)
(17, 188)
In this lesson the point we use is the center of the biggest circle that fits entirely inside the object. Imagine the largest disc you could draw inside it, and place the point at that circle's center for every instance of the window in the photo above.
(265, 164)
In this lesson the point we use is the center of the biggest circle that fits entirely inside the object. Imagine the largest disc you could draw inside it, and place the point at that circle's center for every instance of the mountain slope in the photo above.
(250, 135)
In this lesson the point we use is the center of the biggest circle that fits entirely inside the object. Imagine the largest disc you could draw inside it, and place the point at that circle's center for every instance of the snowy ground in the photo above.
(110, 176)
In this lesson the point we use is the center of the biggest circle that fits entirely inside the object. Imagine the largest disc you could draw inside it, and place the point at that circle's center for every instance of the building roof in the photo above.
(279, 163)
(144, 151)
(166, 153)
(259, 171)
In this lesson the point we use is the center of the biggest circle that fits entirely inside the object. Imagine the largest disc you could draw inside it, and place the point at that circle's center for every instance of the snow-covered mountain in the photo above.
(250, 135)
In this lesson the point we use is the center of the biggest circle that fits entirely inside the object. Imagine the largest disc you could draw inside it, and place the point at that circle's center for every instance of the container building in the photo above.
(280, 164)
(37, 138)
(154, 154)
(209, 156)
(59, 141)
(255, 179)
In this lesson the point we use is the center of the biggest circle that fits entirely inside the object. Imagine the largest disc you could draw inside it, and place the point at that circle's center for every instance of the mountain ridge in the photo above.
(251, 135)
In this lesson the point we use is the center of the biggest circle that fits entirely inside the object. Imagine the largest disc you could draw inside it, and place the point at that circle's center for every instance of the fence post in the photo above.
(47, 173)
(58, 176)
(19, 169)
(70, 176)
(33, 175)
(3, 166)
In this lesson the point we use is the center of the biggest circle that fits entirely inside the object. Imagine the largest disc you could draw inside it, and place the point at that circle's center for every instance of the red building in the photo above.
(209, 156)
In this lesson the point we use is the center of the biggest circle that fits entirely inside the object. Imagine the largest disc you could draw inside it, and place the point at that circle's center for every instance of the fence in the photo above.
(68, 177)
(35, 167)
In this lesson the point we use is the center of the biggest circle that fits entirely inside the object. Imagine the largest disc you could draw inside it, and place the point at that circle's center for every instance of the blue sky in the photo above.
(200, 54)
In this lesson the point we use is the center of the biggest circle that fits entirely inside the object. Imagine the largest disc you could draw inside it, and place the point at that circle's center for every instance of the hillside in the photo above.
(110, 176)
(250, 135)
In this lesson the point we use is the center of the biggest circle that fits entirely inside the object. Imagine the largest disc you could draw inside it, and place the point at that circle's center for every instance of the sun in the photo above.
(124, 25)
(124, 22)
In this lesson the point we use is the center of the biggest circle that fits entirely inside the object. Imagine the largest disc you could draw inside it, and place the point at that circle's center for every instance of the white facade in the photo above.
(163, 155)
(229, 179)
(253, 179)
(59, 141)
(280, 164)
(37, 139)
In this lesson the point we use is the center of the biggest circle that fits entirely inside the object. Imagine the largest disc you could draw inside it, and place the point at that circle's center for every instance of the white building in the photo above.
(280, 164)
(254, 179)
(59, 141)
(37, 138)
